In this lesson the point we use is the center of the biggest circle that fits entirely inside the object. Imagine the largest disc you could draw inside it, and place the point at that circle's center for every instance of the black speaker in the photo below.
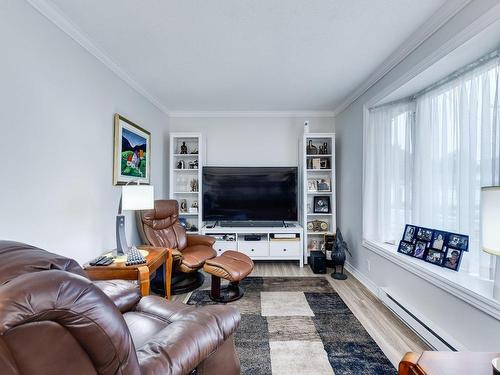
(317, 262)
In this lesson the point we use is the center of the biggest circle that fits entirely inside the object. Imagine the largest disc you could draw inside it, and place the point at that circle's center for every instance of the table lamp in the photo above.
(490, 229)
(133, 197)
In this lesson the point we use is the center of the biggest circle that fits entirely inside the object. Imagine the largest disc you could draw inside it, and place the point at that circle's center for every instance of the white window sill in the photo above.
(473, 290)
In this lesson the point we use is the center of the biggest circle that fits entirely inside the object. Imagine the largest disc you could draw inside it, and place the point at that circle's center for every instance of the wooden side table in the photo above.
(156, 257)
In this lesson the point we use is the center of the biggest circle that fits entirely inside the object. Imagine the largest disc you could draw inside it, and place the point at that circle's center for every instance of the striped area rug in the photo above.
(300, 326)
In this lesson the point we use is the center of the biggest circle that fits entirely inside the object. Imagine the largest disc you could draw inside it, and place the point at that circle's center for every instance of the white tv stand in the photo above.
(269, 247)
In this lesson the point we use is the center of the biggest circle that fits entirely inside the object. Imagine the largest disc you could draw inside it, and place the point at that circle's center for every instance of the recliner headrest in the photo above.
(20, 259)
(167, 208)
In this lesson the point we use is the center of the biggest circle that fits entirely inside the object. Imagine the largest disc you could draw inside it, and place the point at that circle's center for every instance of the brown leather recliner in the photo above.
(55, 320)
(161, 227)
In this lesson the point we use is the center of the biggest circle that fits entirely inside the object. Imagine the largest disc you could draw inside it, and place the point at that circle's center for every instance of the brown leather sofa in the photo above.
(53, 320)
(161, 227)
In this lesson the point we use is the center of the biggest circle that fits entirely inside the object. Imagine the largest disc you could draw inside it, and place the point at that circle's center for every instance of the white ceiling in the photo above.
(248, 55)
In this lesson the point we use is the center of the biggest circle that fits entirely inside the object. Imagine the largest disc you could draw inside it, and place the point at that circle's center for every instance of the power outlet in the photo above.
(368, 265)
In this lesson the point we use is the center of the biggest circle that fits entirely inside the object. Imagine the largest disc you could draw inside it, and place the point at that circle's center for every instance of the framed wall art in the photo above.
(131, 153)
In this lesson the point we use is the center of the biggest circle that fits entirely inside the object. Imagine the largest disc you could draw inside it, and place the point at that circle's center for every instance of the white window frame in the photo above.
(473, 290)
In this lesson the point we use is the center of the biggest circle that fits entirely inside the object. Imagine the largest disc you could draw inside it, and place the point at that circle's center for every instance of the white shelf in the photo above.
(180, 177)
(317, 139)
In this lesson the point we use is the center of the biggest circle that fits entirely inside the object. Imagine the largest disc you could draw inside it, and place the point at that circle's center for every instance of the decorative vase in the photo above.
(311, 149)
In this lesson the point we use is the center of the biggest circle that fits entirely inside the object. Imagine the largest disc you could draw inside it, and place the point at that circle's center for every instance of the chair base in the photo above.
(187, 282)
(230, 293)
(181, 282)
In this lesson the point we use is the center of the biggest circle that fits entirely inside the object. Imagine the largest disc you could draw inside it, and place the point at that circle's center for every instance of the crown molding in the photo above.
(447, 47)
(56, 16)
(433, 24)
(311, 114)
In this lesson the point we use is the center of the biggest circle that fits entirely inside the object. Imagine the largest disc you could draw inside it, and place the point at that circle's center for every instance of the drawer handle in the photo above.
(253, 250)
(284, 249)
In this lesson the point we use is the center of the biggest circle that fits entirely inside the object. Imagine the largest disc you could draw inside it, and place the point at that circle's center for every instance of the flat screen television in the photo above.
(250, 193)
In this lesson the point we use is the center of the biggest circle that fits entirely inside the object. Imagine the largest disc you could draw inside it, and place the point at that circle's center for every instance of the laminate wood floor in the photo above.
(386, 329)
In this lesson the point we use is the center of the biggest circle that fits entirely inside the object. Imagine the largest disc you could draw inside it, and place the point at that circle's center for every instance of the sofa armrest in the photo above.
(77, 305)
(124, 294)
(198, 239)
(227, 318)
(204, 328)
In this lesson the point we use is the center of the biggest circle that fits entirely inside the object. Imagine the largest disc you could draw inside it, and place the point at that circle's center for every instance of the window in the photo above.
(426, 159)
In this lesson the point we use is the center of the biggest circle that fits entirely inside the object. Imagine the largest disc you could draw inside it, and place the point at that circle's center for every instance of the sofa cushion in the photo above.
(143, 326)
(195, 256)
(231, 265)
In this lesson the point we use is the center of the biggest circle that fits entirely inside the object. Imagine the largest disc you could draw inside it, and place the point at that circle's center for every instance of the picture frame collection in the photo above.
(444, 249)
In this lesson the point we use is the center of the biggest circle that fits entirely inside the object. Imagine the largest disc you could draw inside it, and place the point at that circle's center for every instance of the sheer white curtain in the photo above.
(457, 148)
(388, 169)
(428, 169)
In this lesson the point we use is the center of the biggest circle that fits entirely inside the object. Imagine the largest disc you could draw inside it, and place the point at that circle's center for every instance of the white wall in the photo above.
(251, 141)
(56, 119)
(469, 326)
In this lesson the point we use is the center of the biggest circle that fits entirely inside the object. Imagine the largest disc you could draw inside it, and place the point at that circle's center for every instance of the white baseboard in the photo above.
(370, 285)
(436, 337)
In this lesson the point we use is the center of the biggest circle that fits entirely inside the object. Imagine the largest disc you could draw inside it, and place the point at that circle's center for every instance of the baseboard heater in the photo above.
(425, 330)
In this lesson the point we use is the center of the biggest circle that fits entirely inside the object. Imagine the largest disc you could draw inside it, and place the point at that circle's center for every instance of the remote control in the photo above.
(211, 225)
(95, 261)
(103, 260)
(107, 261)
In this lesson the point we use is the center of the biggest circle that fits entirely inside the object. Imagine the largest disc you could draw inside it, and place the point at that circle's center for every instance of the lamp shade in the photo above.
(490, 219)
(138, 197)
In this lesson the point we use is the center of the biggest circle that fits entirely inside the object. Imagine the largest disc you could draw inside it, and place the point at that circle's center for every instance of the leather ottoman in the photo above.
(232, 266)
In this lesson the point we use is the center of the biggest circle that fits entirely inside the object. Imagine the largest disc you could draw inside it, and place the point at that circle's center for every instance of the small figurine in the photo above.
(195, 152)
(194, 185)
(323, 149)
(183, 205)
(181, 164)
(194, 208)
(193, 164)
(184, 149)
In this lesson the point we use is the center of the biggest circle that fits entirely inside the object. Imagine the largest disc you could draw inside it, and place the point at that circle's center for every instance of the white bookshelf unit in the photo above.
(184, 169)
(317, 182)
